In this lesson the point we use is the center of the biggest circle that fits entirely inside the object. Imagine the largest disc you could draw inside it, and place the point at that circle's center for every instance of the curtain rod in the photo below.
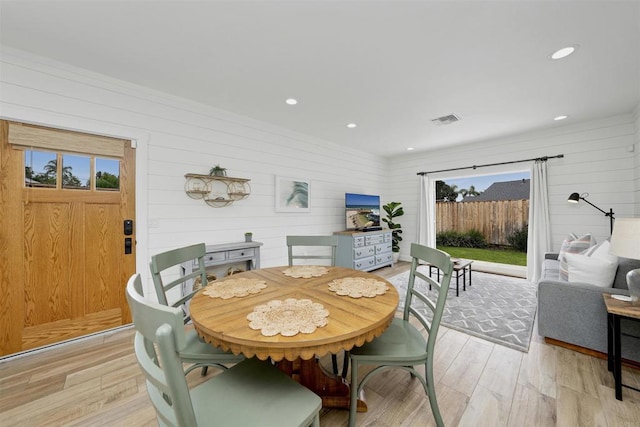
(537, 159)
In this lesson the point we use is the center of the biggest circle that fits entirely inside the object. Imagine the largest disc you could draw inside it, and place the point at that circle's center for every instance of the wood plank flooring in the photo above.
(96, 381)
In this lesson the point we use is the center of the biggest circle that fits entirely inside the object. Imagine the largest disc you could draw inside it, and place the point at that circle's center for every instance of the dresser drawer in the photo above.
(364, 263)
(364, 252)
(387, 237)
(211, 258)
(384, 258)
(358, 242)
(375, 240)
(385, 247)
(241, 253)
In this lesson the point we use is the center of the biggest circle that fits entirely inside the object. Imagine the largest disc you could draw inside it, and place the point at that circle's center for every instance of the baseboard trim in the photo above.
(589, 352)
(51, 346)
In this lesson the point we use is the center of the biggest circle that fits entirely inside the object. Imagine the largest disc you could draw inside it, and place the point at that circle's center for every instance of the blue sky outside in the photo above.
(353, 200)
(481, 183)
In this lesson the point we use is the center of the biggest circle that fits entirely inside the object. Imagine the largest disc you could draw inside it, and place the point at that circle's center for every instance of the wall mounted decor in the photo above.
(292, 194)
(216, 191)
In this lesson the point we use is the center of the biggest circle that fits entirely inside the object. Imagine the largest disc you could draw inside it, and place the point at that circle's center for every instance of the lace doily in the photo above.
(305, 271)
(239, 287)
(288, 317)
(197, 283)
(358, 287)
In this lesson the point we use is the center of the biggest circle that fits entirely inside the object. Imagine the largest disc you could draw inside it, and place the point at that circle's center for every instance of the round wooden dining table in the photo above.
(350, 322)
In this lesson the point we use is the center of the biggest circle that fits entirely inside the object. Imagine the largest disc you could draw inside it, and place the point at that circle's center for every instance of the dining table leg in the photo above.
(333, 389)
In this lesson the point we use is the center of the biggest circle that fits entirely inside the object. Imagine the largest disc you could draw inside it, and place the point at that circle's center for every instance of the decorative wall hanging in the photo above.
(216, 191)
(292, 194)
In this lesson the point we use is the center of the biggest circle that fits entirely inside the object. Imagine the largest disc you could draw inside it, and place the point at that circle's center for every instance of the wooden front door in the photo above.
(64, 257)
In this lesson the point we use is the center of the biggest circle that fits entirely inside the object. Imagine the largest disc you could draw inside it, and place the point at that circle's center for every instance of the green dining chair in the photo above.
(402, 345)
(310, 241)
(251, 393)
(330, 242)
(197, 352)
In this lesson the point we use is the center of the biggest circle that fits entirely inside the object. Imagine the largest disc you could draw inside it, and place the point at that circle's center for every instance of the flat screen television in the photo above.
(362, 211)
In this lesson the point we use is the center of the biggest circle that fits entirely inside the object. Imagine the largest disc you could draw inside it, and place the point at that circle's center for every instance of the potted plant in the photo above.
(217, 170)
(394, 210)
(248, 236)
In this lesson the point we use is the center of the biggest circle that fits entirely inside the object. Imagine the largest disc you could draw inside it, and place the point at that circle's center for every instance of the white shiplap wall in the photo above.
(176, 136)
(597, 160)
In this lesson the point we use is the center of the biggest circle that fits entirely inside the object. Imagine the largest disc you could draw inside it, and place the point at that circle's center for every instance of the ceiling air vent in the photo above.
(446, 120)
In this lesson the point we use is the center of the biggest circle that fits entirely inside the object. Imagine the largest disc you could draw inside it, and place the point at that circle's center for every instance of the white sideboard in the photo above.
(364, 250)
(225, 258)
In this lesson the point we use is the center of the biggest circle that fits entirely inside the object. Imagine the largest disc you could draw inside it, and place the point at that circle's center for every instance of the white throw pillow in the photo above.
(573, 245)
(601, 250)
(593, 270)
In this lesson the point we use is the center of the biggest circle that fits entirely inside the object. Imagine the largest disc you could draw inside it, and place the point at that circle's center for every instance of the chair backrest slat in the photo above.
(439, 260)
(170, 259)
(430, 281)
(425, 321)
(327, 241)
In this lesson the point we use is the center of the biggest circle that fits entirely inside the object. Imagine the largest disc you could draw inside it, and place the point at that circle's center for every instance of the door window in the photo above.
(76, 172)
(41, 171)
(107, 174)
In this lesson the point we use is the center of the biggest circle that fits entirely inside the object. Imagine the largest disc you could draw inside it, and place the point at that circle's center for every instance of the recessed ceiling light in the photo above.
(564, 52)
(291, 101)
(410, 149)
(351, 125)
(557, 118)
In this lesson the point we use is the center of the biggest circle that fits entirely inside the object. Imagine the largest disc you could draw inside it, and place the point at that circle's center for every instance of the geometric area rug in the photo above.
(496, 308)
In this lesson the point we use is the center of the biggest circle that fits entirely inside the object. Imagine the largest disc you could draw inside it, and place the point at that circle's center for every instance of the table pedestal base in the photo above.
(333, 389)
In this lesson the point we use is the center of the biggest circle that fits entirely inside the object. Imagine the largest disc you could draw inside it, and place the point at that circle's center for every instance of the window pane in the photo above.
(107, 174)
(76, 172)
(40, 169)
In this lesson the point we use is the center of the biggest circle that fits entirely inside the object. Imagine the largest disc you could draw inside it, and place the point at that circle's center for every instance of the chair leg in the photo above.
(433, 401)
(353, 402)
(204, 371)
(345, 364)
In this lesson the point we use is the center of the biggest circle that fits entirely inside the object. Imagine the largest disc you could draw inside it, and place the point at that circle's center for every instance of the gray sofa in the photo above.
(575, 312)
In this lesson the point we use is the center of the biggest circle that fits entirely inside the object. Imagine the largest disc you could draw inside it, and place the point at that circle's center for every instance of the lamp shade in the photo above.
(574, 198)
(625, 240)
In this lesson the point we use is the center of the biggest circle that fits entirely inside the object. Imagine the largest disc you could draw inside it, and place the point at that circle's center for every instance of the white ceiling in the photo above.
(389, 66)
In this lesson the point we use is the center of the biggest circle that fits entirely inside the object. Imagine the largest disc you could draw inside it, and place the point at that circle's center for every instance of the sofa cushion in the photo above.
(550, 269)
(573, 245)
(593, 270)
(625, 265)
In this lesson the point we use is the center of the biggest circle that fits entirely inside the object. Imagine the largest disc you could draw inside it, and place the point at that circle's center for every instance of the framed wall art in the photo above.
(292, 194)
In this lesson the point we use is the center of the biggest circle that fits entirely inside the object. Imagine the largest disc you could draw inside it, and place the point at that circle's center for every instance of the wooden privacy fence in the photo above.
(496, 220)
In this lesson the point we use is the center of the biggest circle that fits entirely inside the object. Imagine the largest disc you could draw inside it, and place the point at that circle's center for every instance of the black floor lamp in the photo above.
(575, 198)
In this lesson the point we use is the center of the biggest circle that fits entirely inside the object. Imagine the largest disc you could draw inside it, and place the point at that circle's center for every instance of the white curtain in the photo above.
(427, 213)
(539, 240)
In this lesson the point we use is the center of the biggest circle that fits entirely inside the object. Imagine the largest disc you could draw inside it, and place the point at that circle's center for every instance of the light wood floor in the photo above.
(97, 382)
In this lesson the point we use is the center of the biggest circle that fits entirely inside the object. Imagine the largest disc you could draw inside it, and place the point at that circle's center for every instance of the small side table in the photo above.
(617, 309)
(460, 268)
